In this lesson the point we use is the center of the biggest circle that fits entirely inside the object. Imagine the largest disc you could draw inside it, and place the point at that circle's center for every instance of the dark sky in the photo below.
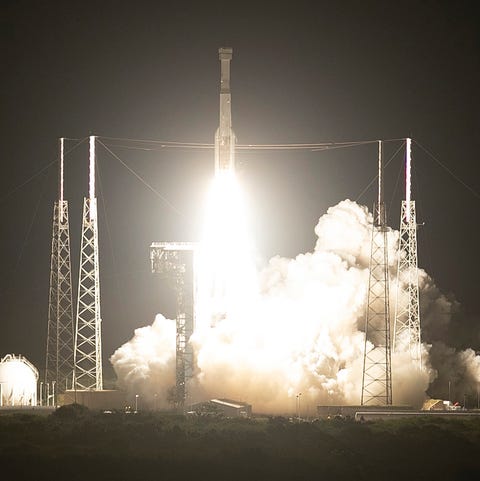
(301, 72)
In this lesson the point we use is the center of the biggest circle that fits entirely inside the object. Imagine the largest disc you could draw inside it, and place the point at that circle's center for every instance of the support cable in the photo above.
(142, 180)
(456, 177)
(43, 169)
(374, 179)
(29, 230)
(32, 221)
(429, 265)
(247, 147)
(400, 170)
(109, 235)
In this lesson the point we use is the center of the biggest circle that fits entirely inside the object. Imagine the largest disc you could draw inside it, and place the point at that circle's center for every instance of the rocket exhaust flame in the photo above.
(225, 269)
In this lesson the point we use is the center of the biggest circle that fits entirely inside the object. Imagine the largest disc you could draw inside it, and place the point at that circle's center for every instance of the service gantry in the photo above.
(176, 261)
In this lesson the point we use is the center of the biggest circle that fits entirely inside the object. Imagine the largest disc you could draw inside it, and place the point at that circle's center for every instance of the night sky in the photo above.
(301, 72)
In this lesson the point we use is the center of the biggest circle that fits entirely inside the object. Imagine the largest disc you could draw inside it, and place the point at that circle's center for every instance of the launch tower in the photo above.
(60, 346)
(407, 335)
(175, 260)
(377, 371)
(88, 334)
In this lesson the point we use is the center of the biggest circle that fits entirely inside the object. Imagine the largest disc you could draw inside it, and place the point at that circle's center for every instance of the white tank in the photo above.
(18, 381)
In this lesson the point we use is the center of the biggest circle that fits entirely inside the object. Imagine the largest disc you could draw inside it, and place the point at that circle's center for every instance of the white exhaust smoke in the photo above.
(145, 365)
(303, 332)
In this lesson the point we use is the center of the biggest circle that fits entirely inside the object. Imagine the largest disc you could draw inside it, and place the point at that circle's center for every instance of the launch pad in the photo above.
(175, 261)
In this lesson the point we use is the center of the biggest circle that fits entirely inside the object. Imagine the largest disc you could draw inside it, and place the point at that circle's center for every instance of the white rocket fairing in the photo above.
(224, 137)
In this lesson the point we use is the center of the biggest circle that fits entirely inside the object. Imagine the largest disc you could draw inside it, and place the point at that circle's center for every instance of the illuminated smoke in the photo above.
(145, 365)
(301, 333)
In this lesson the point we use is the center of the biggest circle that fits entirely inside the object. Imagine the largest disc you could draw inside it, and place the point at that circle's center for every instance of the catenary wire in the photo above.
(142, 180)
(400, 170)
(456, 177)
(43, 169)
(376, 176)
(29, 228)
(209, 146)
(110, 239)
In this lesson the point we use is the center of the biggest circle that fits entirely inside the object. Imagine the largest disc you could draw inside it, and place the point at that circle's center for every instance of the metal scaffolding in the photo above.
(88, 334)
(377, 370)
(60, 346)
(407, 329)
(175, 260)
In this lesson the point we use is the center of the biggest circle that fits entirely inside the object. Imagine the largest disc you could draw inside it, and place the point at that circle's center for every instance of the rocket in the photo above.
(224, 137)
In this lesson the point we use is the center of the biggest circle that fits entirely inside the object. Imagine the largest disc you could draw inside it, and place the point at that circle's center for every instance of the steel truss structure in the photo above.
(60, 345)
(377, 370)
(407, 328)
(175, 260)
(88, 335)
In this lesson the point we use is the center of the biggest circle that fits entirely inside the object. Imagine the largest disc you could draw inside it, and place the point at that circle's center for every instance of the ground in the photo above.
(78, 444)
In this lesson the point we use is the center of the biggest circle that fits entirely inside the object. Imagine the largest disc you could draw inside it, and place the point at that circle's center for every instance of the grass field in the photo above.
(78, 444)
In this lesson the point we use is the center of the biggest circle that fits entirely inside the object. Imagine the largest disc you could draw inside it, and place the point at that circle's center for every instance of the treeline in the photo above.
(74, 443)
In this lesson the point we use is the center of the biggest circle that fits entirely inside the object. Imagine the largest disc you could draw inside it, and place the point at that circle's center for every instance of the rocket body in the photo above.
(224, 137)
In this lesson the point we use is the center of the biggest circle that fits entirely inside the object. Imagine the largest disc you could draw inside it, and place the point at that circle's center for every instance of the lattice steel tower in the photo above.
(377, 370)
(407, 333)
(88, 333)
(60, 346)
(176, 261)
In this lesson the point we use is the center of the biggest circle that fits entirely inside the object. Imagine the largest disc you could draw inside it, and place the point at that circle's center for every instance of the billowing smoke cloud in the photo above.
(145, 365)
(303, 332)
(458, 373)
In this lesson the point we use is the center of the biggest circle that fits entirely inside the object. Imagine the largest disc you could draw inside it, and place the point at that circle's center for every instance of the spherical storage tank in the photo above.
(18, 381)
